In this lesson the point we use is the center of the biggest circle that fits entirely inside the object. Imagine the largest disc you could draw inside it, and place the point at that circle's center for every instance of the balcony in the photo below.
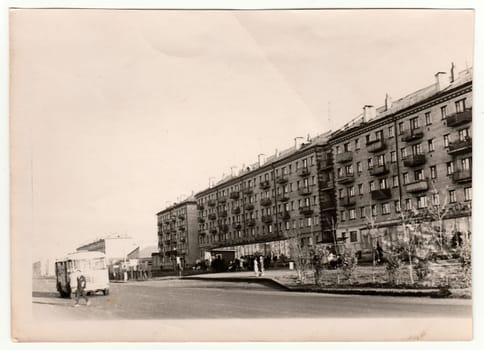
(212, 216)
(326, 164)
(281, 179)
(378, 170)
(346, 179)
(347, 201)
(249, 206)
(459, 118)
(461, 146)
(462, 176)
(327, 185)
(306, 210)
(304, 191)
(376, 145)
(417, 186)
(200, 206)
(211, 202)
(222, 200)
(264, 185)
(236, 211)
(265, 202)
(201, 220)
(266, 219)
(282, 198)
(378, 195)
(181, 217)
(412, 134)
(237, 225)
(248, 191)
(415, 160)
(234, 195)
(213, 230)
(224, 228)
(250, 222)
(304, 171)
(344, 157)
(181, 228)
(223, 214)
(285, 215)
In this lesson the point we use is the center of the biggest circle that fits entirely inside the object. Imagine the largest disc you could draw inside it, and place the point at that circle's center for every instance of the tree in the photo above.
(300, 253)
(374, 234)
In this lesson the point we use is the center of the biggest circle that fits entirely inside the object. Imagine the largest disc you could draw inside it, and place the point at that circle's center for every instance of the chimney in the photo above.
(452, 72)
(388, 102)
(262, 159)
(440, 81)
(276, 153)
(297, 142)
(369, 112)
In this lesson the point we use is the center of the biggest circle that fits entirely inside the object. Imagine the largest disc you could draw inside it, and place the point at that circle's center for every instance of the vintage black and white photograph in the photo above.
(241, 175)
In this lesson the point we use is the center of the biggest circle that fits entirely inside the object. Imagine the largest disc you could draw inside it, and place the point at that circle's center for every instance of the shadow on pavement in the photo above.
(55, 295)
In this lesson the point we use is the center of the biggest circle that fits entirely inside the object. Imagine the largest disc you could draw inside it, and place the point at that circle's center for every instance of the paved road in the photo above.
(188, 299)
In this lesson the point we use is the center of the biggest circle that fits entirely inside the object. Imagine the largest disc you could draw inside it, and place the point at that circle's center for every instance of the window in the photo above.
(416, 149)
(428, 118)
(465, 164)
(362, 212)
(435, 199)
(468, 193)
(347, 147)
(401, 128)
(430, 144)
(452, 196)
(349, 169)
(351, 191)
(359, 168)
(398, 209)
(450, 168)
(340, 193)
(352, 214)
(403, 152)
(373, 210)
(433, 172)
(419, 175)
(372, 186)
(391, 132)
(370, 163)
(360, 189)
(343, 215)
(464, 134)
(460, 105)
(353, 236)
(379, 135)
(414, 123)
(385, 208)
(381, 160)
(383, 184)
(340, 172)
(395, 180)
(405, 178)
(408, 204)
(446, 140)
(338, 151)
(443, 112)
(421, 202)
(357, 144)
(393, 156)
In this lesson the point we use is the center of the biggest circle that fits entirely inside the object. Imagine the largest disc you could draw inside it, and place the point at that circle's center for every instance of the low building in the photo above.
(115, 247)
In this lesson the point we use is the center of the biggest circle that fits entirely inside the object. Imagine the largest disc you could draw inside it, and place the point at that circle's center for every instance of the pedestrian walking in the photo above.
(81, 288)
(256, 267)
(261, 260)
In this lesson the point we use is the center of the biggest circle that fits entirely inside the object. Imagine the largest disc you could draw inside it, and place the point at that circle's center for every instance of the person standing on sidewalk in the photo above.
(256, 267)
(261, 260)
(81, 288)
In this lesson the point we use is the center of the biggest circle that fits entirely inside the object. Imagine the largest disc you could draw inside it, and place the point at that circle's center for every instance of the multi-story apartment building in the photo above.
(178, 232)
(291, 194)
(410, 154)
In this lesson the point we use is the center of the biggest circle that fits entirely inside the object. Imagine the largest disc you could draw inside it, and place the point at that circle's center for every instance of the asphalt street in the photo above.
(188, 299)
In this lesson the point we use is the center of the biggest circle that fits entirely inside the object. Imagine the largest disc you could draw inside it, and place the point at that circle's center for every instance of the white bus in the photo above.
(91, 264)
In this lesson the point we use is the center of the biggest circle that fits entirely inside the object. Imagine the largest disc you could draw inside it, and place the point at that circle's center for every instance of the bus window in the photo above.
(98, 264)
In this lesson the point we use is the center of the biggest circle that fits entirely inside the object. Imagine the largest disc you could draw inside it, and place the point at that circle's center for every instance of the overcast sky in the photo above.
(131, 109)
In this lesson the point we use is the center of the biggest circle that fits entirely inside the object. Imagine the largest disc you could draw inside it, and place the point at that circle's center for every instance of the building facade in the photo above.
(290, 194)
(412, 154)
(115, 247)
(178, 232)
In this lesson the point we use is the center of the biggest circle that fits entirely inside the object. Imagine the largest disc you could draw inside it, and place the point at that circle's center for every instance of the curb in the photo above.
(269, 282)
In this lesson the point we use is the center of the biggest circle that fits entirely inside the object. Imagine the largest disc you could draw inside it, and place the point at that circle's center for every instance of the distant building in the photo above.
(43, 268)
(177, 232)
(115, 247)
(143, 255)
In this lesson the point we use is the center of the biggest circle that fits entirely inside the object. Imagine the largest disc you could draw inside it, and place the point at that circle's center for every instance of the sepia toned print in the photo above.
(301, 175)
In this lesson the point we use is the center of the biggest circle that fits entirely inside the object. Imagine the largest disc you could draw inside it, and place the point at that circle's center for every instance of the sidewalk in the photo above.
(286, 280)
